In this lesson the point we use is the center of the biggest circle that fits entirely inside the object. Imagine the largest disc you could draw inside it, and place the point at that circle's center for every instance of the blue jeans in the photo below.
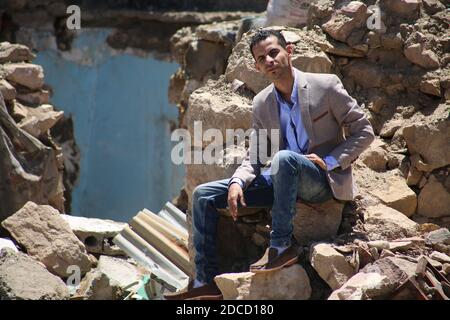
(296, 178)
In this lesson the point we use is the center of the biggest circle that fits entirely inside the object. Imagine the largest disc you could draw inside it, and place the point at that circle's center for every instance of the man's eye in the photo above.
(273, 53)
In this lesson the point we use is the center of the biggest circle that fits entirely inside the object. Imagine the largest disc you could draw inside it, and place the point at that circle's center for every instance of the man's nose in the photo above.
(269, 60)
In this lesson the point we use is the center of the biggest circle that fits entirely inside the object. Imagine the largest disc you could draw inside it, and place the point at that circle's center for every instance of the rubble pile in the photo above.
(377, 246)
(32, 162)
(54, 256)
(391, 242)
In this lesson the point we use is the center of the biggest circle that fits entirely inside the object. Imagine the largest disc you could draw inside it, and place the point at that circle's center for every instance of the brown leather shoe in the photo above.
(207, 292)
(271, 260)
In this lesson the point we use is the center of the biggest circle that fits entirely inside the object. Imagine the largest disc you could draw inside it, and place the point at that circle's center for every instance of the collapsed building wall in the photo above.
(400, 77)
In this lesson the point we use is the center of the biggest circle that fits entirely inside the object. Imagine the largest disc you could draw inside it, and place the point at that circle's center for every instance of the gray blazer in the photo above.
(326, 108)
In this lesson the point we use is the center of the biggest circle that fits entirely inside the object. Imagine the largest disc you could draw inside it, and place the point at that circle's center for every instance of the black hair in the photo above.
(261, 35)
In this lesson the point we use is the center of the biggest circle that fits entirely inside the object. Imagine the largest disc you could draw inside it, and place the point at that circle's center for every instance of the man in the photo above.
(314, 163)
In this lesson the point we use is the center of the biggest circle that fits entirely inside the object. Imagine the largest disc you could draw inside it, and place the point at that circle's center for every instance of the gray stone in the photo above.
(434, 199)
(23, 278)
(120, 272)
(330, 265)
(97, 286)
(363, 286)
(439, 256)
(25, 74)
(396, 194)
(15, 53)
(290, 283)
(96, 234)
(440, 236)
(48, 237)
(316, 222)
(384, 223)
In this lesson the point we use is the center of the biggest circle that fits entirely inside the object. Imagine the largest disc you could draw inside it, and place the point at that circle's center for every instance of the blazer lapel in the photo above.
(304, 101)
(274, 116)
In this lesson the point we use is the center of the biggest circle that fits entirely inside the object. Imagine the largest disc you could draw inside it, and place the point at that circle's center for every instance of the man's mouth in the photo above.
(271, 69)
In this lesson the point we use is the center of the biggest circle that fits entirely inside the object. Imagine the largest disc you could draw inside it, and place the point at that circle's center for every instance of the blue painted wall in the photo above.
(121, 120)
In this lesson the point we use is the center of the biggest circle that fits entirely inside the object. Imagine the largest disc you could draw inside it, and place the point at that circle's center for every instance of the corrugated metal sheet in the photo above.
(159, 242)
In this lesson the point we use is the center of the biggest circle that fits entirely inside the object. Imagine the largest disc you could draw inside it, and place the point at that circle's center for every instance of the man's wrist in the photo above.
(236, 180)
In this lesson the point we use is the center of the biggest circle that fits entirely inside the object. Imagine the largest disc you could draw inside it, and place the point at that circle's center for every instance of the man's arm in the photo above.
(347, 112)
(250, 166)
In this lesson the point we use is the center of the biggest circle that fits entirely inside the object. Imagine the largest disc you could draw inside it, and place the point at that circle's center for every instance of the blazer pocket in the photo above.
(321, 116)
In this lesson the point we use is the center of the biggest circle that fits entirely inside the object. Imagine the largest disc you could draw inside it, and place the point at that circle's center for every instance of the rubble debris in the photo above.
(362, 286)
(262, 286)
(397, 195)
(330, 265)
(96, 234)
(314, 222)
(25, 74)
(15, 53)
(434, 199)
(159, 245)
(384, 223)
(120, 272)
(23, 278)
(48, 237)
(96, 285)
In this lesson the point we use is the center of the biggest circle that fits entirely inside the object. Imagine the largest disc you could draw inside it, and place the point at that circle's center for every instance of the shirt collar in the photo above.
(294, 94)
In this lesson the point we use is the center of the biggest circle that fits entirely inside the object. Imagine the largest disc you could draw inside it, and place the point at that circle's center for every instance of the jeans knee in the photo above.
(199, 192)
(284, 160)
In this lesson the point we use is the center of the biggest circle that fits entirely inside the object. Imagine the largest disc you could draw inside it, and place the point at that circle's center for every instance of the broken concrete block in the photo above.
(330, 265)
(434, 199)
(264, 286)
(384, 223)
(39, 120)
(25, 74)
(363, 286)
(396, 194)
(96, 234)
(120, 272)
(97, 286)
(14, 53)
(316, 222)
(23, 278)
(48, 238)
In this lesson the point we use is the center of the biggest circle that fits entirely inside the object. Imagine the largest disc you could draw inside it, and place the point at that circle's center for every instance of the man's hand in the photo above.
(318, 160)
(235, 194)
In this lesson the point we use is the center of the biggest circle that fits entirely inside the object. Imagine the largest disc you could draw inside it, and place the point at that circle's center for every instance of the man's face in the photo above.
(271, 59)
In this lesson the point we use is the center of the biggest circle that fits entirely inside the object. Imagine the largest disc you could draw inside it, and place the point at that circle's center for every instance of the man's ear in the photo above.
(290, 48)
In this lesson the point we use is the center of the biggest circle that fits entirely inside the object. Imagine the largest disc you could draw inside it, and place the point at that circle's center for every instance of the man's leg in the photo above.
(296, 177)
(206, 199)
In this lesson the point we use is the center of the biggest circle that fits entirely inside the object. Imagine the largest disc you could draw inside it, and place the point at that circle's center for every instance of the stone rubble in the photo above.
(369, 248)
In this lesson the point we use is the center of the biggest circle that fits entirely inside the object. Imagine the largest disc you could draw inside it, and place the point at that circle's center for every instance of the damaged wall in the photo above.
(122, 125)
